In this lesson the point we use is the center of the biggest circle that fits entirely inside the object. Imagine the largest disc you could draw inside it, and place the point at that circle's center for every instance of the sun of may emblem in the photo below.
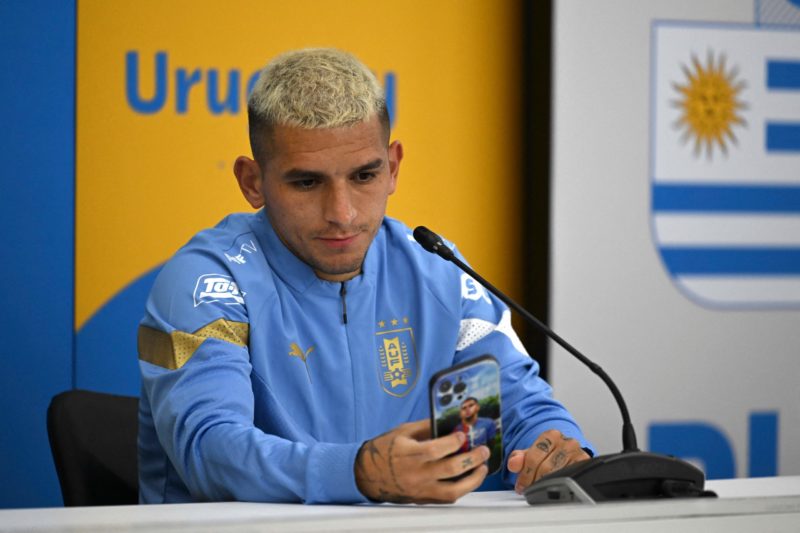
(710, 105)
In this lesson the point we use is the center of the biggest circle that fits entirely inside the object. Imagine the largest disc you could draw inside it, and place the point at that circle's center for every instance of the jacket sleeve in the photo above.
(527, 404)
(196, 374)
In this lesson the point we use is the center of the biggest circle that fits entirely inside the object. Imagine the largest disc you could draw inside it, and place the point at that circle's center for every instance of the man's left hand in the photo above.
(552, 451)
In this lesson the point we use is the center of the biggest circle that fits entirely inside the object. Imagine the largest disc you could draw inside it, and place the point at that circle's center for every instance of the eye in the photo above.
(304, 185)
(365, 177)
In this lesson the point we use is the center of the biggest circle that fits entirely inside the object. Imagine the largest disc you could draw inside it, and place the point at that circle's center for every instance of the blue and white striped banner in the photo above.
(725, 162)
(778, 12)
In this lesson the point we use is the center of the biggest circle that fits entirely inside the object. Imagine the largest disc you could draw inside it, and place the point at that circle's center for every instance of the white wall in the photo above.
(675, 360)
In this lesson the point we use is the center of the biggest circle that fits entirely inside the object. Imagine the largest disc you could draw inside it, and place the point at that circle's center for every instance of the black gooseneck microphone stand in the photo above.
(629, 474)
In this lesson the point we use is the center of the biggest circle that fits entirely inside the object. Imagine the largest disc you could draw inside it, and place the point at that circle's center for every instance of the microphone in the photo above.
(433, 243)
(630, 474)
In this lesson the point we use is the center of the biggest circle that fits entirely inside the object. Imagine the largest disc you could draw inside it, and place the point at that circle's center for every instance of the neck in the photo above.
(337, 277)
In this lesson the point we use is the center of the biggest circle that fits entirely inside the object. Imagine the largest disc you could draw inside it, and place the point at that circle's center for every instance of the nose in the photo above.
(339, 208)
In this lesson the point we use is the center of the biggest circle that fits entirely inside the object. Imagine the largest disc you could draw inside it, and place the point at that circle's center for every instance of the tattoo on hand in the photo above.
(466, 463)
(564, 437)
(373, 451)
(393, 498)
(559, 459)
(544, 445)
(391, 467)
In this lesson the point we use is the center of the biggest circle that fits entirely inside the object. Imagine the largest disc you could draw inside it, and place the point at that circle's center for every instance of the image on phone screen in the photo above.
(466, 398)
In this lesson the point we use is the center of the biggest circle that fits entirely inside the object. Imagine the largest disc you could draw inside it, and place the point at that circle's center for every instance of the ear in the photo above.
(395, 156)
(248, 174)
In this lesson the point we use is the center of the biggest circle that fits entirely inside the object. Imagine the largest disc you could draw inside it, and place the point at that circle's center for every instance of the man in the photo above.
(284, 354)
(478, 430)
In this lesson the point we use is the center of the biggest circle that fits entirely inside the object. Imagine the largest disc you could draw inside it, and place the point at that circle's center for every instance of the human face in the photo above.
(325, 192)
(469, 409)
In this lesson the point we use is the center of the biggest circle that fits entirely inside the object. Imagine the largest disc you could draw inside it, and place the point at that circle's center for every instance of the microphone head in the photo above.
(432, 242)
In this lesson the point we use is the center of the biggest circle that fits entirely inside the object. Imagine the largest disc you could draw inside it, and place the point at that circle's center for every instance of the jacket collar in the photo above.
(301, 277)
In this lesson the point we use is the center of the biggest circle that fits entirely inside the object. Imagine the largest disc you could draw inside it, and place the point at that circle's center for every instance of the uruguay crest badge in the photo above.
(725, 162)
(397, 354)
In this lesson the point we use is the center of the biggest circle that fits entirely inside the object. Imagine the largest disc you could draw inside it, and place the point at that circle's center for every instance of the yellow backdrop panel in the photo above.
(154, 168)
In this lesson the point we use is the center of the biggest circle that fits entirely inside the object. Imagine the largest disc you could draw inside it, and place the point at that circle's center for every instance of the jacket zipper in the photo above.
(343, 294)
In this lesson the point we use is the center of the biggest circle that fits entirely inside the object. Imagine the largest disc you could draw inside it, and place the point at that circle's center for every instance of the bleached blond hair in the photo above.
(313, 88)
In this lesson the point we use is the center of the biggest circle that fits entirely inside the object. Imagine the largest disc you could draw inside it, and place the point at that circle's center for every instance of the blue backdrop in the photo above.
(37, 109)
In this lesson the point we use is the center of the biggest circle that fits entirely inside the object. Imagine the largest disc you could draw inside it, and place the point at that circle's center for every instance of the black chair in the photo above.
(93, 440)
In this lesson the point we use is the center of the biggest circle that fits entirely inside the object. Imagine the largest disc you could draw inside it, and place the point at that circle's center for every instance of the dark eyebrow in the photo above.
(372, 165)
(301, 174)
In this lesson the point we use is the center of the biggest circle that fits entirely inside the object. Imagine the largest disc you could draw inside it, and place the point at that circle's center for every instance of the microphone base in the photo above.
(633, 475)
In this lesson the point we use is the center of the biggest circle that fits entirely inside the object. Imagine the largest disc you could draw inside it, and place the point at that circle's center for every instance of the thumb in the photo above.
(515, 461)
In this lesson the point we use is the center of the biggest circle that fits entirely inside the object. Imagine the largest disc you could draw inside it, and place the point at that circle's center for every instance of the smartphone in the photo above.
(466, 398)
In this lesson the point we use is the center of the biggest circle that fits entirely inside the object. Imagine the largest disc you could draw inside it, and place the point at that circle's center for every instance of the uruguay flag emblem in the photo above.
(725, 162)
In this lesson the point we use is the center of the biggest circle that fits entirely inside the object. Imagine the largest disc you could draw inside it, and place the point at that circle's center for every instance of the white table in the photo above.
(762, 505)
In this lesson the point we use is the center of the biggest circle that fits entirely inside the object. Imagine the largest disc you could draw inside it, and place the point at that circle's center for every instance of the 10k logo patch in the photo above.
(217, 288)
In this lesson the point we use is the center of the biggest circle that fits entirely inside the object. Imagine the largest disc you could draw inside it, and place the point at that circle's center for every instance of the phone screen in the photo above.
(466, 398)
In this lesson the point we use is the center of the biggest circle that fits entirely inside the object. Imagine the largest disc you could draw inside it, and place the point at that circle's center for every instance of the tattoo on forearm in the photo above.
(544, 445)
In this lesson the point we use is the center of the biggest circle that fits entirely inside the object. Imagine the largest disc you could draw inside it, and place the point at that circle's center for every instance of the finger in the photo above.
(436, 449)
(534, 457)
(566, 452)
(528, 472)
(516, 460)
(417, 430)
(471, 481)
(577, 457)
(555, 461)
(450, 491)
(456, 465)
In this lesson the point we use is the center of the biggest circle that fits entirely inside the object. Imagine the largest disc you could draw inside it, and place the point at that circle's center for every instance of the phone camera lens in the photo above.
(444, 386)
(446, 399)
(460, 387)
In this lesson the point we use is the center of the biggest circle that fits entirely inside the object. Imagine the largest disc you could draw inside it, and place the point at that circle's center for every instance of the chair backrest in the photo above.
(93, 440)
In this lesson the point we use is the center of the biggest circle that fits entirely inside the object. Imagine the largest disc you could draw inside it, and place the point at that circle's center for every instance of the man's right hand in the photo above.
(402, 467)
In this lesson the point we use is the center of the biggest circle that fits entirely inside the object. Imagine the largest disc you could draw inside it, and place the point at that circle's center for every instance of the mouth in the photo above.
(339, 242)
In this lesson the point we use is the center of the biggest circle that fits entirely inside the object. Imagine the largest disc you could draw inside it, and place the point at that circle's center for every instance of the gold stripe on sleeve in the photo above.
(173, 350)
(156, 347)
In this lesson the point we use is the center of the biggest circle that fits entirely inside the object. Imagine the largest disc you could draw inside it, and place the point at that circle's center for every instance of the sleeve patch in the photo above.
(471, 330)
(507, 329)
(472, 290)
(173, 350)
